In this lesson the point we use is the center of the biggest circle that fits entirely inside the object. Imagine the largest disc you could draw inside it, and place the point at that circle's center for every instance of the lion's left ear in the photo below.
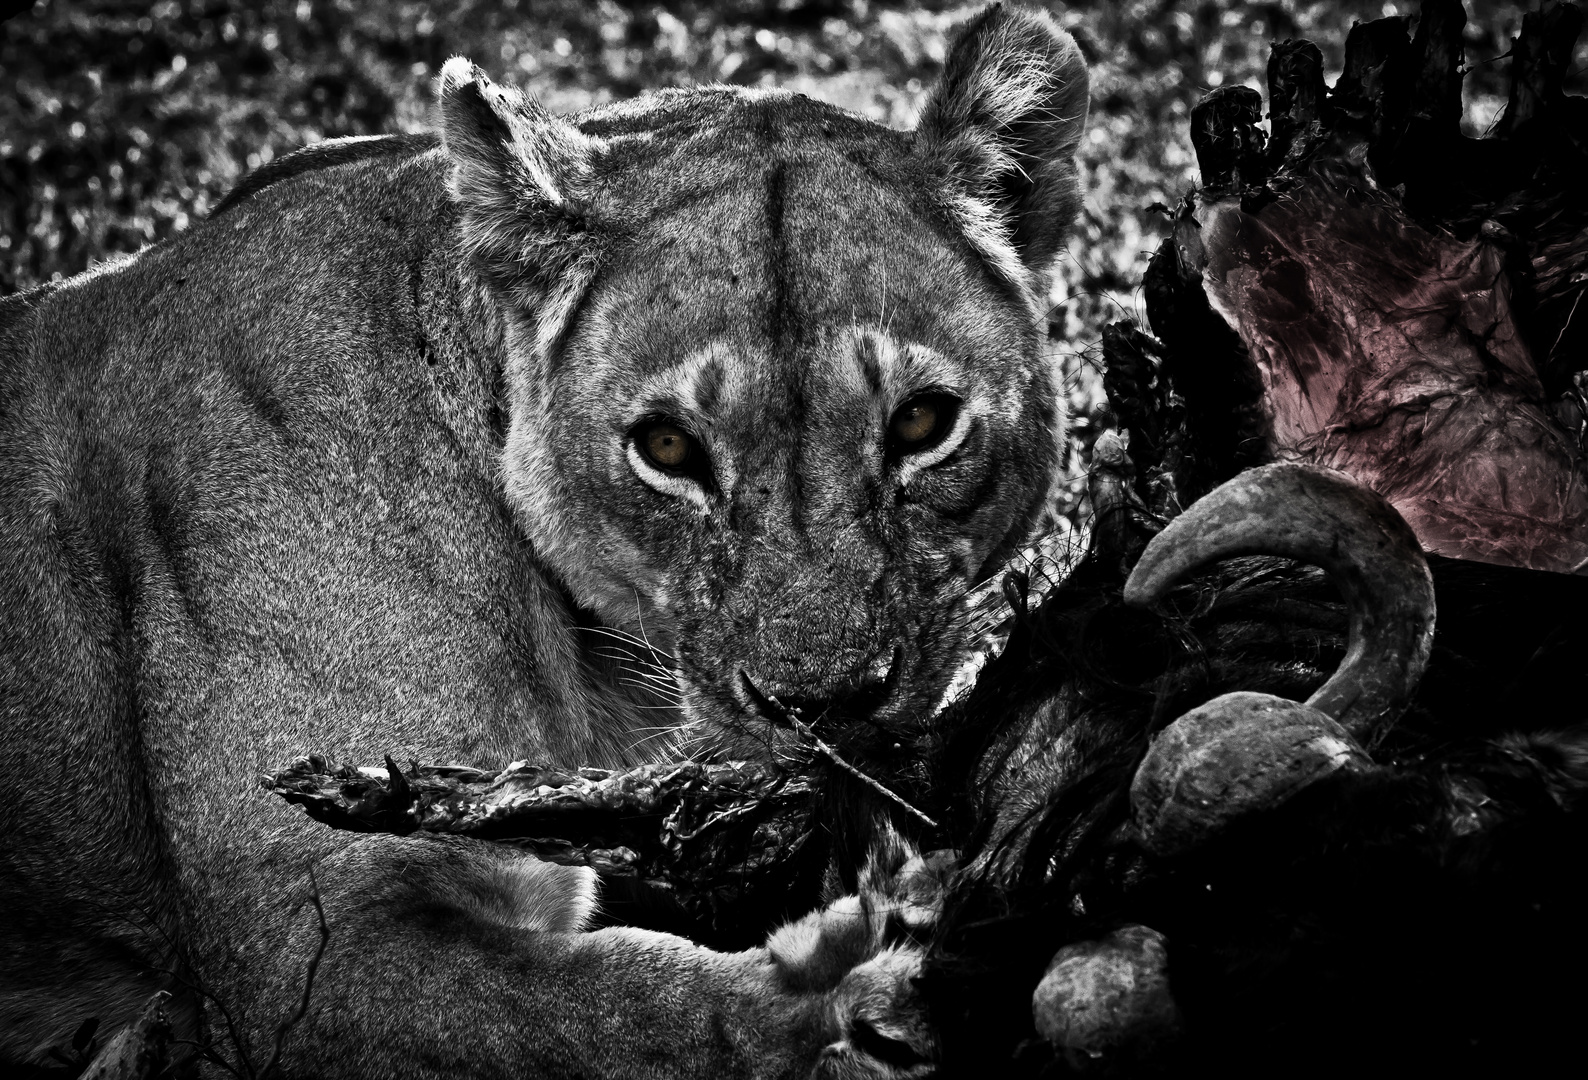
(1005, 119)
(522, 179)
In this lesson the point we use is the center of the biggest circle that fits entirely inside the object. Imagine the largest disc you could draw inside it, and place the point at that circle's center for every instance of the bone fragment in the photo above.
(141, 1051)
(1238, 755)
(1108, 995)
(704, 832)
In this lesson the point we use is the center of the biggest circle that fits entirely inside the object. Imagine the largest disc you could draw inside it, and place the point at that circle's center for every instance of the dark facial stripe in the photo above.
(778, 321)
(870, 364)
(782, 321)
(708, 387)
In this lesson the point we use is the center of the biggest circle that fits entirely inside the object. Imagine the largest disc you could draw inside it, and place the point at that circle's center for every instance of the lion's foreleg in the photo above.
(461, 958)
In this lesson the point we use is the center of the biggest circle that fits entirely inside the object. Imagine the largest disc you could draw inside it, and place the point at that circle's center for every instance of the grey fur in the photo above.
(255, 502)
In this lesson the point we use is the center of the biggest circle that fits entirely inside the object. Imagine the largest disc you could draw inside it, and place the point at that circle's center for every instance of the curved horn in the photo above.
(1326, 518)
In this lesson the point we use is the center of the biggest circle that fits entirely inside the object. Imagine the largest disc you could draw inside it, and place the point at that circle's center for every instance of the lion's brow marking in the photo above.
(699, 382)
(707, 384)
(867, 354)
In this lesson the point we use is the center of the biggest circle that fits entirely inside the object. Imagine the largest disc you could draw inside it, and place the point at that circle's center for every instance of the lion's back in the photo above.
(317, 254)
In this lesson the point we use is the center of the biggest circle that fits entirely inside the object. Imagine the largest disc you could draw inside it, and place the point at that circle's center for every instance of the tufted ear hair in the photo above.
(522, 180)
(1005, 120)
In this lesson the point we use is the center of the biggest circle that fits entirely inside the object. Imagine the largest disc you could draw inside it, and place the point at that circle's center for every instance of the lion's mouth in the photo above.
(852, 745)
(861, 702)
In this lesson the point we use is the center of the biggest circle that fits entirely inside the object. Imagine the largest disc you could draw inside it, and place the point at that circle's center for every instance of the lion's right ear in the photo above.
(521, 178)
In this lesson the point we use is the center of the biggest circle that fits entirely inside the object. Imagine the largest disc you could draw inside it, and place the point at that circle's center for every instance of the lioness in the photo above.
(356, 465)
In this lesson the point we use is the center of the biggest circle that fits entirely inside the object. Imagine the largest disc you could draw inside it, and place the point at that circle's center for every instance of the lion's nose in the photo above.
(857, 696)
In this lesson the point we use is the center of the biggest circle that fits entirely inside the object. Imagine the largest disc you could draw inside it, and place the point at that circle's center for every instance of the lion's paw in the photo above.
(881, 1025)
(899, 900)
(863, 952)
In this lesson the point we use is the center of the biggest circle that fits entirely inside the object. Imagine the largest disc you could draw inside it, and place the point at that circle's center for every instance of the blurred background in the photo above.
(121, 123)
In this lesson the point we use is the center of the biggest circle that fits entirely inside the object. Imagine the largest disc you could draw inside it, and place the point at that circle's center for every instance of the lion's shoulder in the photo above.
(318, 236)
(301, 293)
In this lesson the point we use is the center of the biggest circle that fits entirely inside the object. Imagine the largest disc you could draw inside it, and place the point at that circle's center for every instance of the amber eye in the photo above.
(667, 447)
(922, 422)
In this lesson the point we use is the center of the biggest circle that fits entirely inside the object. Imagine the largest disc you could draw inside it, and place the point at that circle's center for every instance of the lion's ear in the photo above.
(521, 177)
(1005, 118)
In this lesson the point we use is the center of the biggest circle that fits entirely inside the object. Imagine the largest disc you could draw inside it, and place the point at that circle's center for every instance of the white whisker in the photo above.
(629, 639)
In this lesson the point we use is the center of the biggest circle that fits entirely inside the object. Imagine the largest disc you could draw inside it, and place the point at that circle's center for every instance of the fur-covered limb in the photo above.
(704, 832)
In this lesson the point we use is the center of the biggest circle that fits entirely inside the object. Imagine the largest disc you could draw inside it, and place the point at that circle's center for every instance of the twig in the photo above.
(793, 718)
(244, 1070)
(207, 1051)
(308, 979)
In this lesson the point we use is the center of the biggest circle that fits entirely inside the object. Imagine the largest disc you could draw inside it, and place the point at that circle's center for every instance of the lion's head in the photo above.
(777, 382)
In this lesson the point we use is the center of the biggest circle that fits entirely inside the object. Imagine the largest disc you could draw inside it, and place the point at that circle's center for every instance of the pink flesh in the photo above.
(1391, 353)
